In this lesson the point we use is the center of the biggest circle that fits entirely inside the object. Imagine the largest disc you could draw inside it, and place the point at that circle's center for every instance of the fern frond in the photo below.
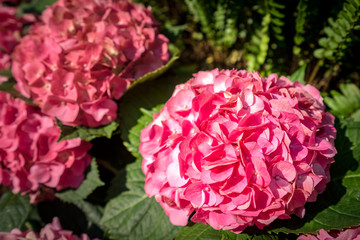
(277, 19)
(345, 104)
(299, 26)
(337, 32)
(198, 9)
(259, 45)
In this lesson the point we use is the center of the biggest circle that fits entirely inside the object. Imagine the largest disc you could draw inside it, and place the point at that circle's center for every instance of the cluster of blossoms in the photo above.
(52, 231)
(10, 34)
(348, 234)
(31, 158)
(84, 54)
(238, 149)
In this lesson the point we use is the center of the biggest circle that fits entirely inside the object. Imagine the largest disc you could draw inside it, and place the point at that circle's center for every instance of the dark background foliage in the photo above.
(314, 41)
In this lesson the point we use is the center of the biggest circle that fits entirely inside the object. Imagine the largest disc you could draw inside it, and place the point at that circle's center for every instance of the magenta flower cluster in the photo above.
(52, 231)
(32, 159)
(84, 54)
(10, 34)
(237, 149)
(348, 234)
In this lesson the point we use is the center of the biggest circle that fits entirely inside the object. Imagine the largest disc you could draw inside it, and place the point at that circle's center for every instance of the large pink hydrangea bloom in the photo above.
(348, 234)
(10, 34)
(31, 158)
(238, 149)
(52, 231)
(86, 53)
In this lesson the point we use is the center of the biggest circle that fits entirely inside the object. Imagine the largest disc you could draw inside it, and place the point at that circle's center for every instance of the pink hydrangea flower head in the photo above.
(31, 158)
(10, 34)
(348, 234)
(84, 54)
(52, 231)
(238, 149)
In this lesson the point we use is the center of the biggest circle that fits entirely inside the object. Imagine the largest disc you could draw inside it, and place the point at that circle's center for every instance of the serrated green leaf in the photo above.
(14, 209)
(92, 212)
(132, 215)
(299, 75)
(90, 183)
(199, 231)
(339, 206)
(86, 133)
(227, 235)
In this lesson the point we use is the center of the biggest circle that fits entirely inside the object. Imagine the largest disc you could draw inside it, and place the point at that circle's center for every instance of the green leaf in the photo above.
(299, 75)
(319, 53)
(148, 95)
(346, 103)
(134, 133)
(91, 182)
(8, 87)
(339, 206)
(14, 209)
(199, 231)
(92, 212)
(132, 215)
(227, 235)
(35, 6)
(6, 73)
(154, 74)
(86, 133)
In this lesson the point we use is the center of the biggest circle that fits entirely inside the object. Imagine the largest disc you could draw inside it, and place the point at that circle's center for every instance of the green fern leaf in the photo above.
(337, 32)
(345, 104)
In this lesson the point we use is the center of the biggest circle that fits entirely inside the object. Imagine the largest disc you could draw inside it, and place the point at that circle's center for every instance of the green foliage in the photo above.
(86, 133)
(299, 26)
(34, 6)
(337, 32)
(345, 104)
(154, 74)
(277, 19)
(218, 21)
(148, 95)
(89, 184)
(132, 215)
(199, 231)
(134, 133)
(9, 85)
(14, 210)
(299, 75)
(198, 8)
(78, 196)
(259, 45)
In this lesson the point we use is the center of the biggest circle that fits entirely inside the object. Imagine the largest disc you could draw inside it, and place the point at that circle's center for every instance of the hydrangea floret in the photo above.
(10, 34)
(52, 231)
(32, 159)
(348, 234)
(84, 54)
(236, 149)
